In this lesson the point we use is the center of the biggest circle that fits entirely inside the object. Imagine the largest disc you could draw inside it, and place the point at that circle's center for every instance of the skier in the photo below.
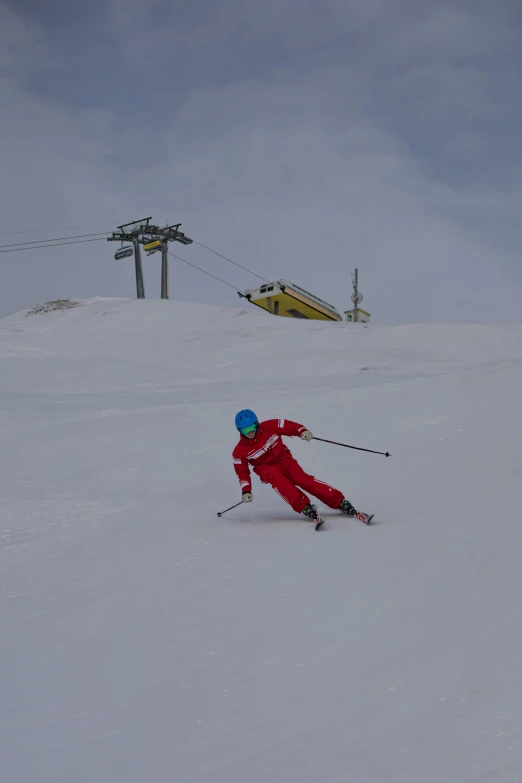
(261, 446)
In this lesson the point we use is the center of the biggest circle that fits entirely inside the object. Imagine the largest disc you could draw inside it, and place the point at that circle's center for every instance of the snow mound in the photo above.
(146, 639)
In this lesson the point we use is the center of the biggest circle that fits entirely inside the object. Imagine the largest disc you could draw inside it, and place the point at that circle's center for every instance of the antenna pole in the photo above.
(356, 295)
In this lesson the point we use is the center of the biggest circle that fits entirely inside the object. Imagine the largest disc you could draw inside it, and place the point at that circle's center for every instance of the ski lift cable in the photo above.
(56, 244)
(230, 260)
(43, 242)
(203, 270)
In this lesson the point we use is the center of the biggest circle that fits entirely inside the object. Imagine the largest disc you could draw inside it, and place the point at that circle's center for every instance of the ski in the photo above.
(360, 515)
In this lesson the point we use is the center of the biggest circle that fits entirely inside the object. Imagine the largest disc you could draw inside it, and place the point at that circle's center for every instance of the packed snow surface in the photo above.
(145, 640)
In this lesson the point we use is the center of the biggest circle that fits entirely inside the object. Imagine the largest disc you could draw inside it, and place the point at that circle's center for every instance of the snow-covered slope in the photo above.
(145, 639)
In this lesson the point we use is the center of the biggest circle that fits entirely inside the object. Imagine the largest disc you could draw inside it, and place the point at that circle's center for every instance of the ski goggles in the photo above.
(249, 429)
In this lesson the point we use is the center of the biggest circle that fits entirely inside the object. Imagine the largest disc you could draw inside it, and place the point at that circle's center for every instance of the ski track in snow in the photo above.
(145, 639)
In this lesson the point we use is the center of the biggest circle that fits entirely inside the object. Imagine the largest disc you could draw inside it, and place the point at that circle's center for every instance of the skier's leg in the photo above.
(328, 495)
(272, 474)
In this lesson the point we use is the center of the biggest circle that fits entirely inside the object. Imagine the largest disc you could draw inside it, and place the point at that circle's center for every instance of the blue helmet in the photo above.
(245, 419)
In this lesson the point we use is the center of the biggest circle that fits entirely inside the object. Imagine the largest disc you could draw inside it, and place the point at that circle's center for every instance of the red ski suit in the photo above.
(275, 465)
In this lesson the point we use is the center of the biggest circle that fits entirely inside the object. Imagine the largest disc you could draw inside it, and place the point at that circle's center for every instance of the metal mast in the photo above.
(355, 295)
(131, 232)
(158, 239)
(153, 238)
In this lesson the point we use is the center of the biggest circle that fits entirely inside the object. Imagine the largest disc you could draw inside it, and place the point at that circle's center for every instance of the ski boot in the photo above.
(310, 511)
(346, 507)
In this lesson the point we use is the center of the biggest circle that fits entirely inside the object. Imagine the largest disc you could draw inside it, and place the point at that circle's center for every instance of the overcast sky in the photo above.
(301, 138)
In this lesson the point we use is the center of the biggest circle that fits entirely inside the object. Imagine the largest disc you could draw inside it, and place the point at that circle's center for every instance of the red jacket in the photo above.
(266, 448)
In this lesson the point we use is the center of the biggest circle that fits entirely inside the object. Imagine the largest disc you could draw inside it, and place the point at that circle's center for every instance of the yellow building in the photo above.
(289, 300)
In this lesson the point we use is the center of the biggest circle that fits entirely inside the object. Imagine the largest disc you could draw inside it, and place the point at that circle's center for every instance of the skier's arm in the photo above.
(290, 428)
(243, 473)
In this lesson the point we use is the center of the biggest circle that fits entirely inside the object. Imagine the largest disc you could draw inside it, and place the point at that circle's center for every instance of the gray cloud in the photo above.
(300, 139)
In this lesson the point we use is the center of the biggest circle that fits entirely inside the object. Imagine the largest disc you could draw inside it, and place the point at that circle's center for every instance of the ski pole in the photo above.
(220, 513)
(384, 453)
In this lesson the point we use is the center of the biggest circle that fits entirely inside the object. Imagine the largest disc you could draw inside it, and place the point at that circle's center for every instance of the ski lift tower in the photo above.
(132, 232)
(155, 239)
